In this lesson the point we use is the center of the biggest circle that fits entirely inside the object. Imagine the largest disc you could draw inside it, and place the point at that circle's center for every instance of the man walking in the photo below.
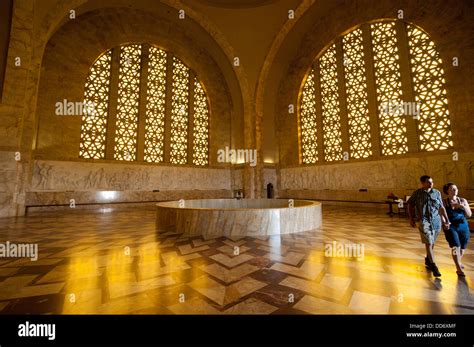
(430, 211)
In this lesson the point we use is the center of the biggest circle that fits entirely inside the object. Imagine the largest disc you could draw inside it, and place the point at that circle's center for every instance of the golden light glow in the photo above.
(126, 140)
(201, 125)
(128, 102)
(155, 107)
(393, 131)
(331, 116)
(356, 95)
(179, 113)
(430, 91)
(309, 145)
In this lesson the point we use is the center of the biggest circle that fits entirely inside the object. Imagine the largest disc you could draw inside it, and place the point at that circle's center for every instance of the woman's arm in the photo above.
(467, 209)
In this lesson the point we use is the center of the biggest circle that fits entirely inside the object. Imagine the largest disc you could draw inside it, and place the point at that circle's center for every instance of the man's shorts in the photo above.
(427, 233)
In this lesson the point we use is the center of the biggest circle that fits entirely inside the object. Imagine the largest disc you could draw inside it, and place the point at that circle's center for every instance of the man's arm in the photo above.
(444, 217)
(443, 213)
(411, 214)
(411, 209)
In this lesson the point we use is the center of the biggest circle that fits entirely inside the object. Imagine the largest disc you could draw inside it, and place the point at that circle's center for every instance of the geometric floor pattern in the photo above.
(115, 262)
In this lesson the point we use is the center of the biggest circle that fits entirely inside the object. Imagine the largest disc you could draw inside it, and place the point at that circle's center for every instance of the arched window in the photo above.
(147, 106)
(378, 89)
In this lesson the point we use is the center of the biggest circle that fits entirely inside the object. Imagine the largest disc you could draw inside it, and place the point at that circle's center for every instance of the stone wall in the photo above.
(269, 176)
(374, 180)
(14, 110)
(8, 171)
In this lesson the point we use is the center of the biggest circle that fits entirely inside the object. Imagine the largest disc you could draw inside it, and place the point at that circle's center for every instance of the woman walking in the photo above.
(457, 233)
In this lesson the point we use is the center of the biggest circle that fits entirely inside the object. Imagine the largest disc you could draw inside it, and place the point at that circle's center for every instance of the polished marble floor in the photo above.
(115, 262)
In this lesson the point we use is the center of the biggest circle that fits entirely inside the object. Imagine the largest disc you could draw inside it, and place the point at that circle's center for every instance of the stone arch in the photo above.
(70, 53)
(323, 22)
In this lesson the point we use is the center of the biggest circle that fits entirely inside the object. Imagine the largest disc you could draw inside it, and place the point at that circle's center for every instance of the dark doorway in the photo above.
(270, 193)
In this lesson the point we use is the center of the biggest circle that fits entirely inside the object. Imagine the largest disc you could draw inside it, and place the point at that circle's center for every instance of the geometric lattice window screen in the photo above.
(165, 94)
(200, 126)
(392, 121)
(308, 128)
(331, 118)
(430, 91)
(179, 113)
(128, 101)
(155, 106)
(94, 126)
(356, 95)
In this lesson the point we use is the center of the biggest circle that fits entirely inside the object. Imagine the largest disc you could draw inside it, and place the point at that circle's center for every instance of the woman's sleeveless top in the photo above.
(456, 216)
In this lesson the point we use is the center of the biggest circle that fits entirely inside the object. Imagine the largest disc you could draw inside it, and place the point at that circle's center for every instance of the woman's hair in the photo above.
(446, 187)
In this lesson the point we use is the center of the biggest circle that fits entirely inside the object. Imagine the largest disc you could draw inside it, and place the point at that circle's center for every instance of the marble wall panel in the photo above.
(8, 195)
(112, 197)
(77, 176)
(57, 182)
